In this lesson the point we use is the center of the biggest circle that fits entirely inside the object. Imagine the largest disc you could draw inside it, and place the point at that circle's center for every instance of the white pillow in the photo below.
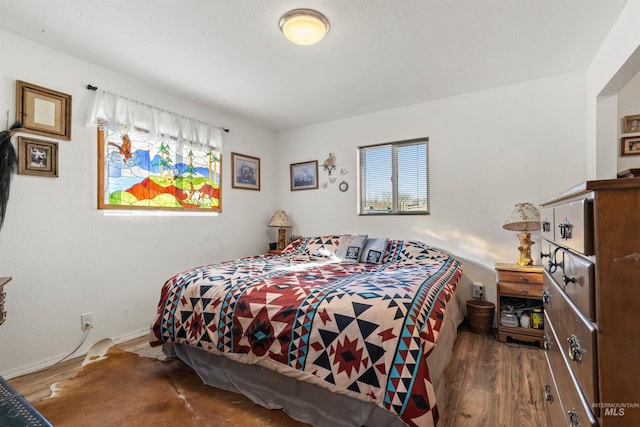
(374, 250)
(350, 248)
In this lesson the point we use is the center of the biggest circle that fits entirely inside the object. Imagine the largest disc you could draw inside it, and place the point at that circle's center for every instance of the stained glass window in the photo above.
(141, 170)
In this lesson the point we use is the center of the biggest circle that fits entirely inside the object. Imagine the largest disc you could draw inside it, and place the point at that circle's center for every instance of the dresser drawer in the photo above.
(574, 225)
(524, 277)
(552, 402)
(576, 336)
(575, 275)
(524, 290)
(575, 409)
(547, 224)
(578, 280)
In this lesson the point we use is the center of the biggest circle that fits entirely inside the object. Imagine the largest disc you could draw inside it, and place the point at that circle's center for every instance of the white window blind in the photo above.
(394, 178)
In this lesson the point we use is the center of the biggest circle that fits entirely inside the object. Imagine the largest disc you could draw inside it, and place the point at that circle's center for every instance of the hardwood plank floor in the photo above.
(489, 383)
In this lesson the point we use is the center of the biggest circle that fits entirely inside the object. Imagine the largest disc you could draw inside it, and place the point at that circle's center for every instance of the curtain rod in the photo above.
(92, 87)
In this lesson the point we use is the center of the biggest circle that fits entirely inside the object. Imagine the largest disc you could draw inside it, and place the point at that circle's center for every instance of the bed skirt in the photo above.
(310, 403)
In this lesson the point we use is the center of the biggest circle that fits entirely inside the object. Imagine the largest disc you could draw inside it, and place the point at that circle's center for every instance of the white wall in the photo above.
(488, 150)
(67, 258)
(628, 105)
(613, 67)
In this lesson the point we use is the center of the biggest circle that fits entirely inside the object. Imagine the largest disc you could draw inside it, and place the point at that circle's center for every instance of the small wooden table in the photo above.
(521, 285)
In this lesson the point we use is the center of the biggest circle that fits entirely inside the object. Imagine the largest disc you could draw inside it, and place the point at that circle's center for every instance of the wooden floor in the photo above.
(489, 383)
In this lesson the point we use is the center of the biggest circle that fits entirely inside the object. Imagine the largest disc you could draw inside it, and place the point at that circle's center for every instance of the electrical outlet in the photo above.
(86, 321)
(477, 290)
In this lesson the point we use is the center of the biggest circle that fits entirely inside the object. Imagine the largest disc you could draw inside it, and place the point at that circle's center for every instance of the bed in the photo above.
(336, 330)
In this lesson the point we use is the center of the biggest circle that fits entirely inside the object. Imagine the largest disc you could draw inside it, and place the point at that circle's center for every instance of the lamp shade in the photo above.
(524, 217)
(304, 26)
(279, 219)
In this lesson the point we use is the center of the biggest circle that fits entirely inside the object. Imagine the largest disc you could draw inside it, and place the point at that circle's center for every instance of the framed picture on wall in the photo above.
(630, 146)
(304, 176)
(37, 157)
(43, 111)
(245, 172)
(631, 124)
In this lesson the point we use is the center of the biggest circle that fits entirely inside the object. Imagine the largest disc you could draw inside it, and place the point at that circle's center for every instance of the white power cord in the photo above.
(85, 334)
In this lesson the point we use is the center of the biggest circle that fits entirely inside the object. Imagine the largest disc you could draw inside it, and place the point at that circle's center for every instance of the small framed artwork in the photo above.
(43, 111)
(37, 157)
(304, 176)
(631, 124)
(245, 171)
(630, 146)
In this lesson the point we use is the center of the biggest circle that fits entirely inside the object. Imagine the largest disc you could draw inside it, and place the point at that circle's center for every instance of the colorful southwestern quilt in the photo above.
(359, 329)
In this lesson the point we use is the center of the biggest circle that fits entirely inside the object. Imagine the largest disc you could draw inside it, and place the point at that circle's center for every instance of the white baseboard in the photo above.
(131, 336)
(50, 361)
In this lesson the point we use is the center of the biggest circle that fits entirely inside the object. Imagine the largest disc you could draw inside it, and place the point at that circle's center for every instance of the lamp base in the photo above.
(525, 249)
(281, 238)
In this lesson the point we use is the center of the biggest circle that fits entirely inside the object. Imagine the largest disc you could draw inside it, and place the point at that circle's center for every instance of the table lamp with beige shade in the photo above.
(280, 220)
(524, 218)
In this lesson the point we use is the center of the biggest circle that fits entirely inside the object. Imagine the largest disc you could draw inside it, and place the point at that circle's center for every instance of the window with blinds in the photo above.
(394, 178)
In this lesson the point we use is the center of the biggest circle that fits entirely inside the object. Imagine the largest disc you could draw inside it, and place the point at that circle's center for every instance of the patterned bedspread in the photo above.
(359, 329)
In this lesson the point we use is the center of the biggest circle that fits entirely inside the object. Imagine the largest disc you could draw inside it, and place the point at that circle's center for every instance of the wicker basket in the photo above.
(480, 314)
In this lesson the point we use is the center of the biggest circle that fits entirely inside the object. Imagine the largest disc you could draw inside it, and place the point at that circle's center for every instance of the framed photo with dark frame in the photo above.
(43, 111)
(37, 157)
(631, 124)
(630, 146)
(304, 176)
(245, 172)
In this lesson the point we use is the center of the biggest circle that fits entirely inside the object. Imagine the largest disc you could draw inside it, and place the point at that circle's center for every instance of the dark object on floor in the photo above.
(480, 315)
(16, 411)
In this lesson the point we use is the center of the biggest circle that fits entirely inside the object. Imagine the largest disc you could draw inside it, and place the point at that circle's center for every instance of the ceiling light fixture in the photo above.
(304, 26)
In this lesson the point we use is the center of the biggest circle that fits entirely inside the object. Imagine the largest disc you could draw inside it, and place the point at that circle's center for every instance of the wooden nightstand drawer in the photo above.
(519, 277)
(523, 290)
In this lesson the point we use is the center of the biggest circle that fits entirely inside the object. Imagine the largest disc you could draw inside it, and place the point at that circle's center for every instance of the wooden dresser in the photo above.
(591, 293)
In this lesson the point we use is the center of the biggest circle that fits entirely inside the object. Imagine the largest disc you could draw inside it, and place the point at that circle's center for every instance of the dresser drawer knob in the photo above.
(575, 352)
(523, 279)
(566, 279)
(565, 229)
(573, 418)
(548, 396)
(546, 296)
(547, 342)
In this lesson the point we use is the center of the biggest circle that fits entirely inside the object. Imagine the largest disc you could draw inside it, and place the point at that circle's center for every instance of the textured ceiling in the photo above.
(379, 54)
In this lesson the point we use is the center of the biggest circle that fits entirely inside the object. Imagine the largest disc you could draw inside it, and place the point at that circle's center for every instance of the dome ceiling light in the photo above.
(304, 26)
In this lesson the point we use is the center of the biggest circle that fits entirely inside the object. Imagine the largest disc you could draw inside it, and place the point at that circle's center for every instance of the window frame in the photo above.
(395, 145)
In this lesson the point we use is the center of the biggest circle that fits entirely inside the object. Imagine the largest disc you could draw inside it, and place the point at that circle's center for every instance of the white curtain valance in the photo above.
(118, 110)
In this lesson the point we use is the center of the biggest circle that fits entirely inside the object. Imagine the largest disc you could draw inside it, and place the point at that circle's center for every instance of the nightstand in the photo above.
(520, 288)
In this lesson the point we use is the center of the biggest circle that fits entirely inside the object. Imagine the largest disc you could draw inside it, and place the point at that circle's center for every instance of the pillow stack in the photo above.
(355, 249)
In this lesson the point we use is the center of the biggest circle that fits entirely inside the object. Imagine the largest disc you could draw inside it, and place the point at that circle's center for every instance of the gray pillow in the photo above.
(350, 248)
(374, 250)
